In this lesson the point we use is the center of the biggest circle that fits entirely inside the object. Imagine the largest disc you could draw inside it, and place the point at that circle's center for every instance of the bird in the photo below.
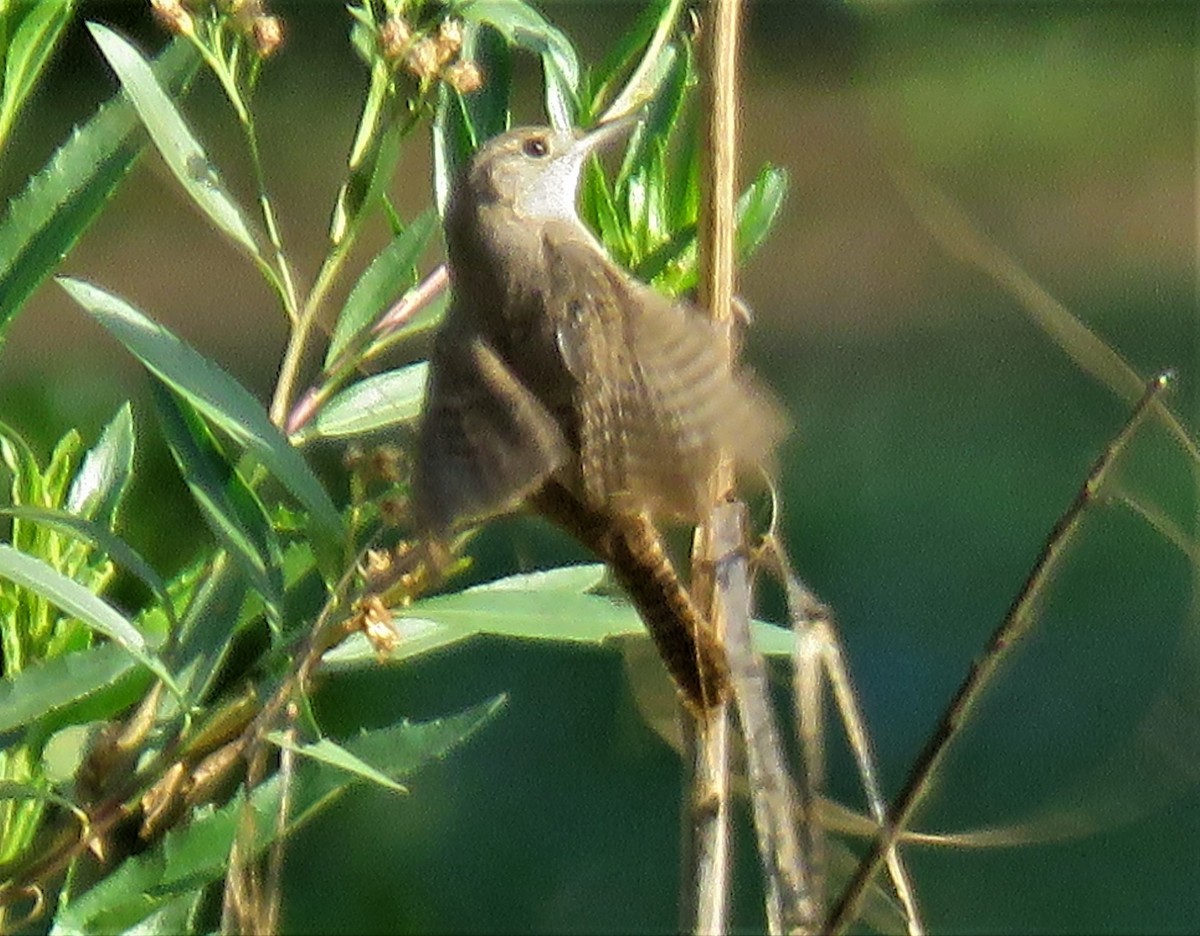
(561, 383)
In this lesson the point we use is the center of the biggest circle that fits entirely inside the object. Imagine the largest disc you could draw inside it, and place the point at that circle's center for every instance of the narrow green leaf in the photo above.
(77, 601)
(572, 578)
(538, 614)
(117, 549)
(488, 108)
(454, 141)
(179, 147)
(103, 477)
(47, 688)
(27, 54)
(177, 916)
(207, 630)
(44, 222)
(668, 85)
(758, 208)
(374, 403)
(330, 752)
(196, 854)
(525, 27)
(388, 275)
(16, 790)
(400, 749)
(229, 507)
(220, 399)
(620, 56)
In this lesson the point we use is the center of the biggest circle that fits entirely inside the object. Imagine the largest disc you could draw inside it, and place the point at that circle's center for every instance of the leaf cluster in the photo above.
(181, 725)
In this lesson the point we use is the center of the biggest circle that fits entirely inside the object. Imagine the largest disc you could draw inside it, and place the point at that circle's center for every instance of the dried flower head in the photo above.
(376, 565)
(394, 37)
(449, 40)
(268, 35)
(377, 624)
(174, 17)
(422, 58)
(463, 77)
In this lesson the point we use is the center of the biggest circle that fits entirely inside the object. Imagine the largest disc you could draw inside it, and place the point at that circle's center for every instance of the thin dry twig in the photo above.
(792, 906)
(706, 875)
(819, 656)
(1015, 625)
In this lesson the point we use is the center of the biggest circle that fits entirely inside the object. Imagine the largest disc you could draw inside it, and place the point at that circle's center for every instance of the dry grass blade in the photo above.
(955, 233)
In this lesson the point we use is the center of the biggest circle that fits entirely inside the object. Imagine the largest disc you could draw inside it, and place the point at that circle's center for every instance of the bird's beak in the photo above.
(608, 132)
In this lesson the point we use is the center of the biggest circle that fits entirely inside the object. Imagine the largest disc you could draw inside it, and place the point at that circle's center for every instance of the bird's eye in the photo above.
(535, 147)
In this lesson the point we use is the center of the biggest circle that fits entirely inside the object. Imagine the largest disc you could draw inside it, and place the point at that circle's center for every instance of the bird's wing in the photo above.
(656, 398)
(485, 442)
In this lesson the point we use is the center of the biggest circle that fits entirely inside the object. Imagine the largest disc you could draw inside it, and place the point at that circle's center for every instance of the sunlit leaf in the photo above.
(179, 147)
(453, 143)
(197, 854)
(229, 507)
(525, 27)
(104, 539)
(386, 278)
(44, 222)
(572, 578)
(51, 686)
(330, 752)
(28, 50)
(102, 478)
(374, 403)
(219, 398)
(758, 209)
(77, 601)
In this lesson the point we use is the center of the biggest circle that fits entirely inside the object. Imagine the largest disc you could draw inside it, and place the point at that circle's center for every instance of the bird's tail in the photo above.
(633, 549)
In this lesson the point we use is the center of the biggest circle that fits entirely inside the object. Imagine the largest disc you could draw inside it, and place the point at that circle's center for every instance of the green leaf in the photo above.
(525, 27)
(179, 147)
(196, 854)
(100, 484)
(48, 688)
(27, 53)
(77, 601)
(229, 507)
(398, 750)
(45, 221)
(758, 208)
(389, 274)
(373, 403)
(536, 613)
(219, 398)
(672, 78)
(453, 143)
(117, 549)
(572, 578)
(208, 627)
(178, 915)
(330, 752)
(772, 639)
(488, 108)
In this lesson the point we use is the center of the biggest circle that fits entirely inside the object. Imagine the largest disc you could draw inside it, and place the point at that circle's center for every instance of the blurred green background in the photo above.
(938, 435)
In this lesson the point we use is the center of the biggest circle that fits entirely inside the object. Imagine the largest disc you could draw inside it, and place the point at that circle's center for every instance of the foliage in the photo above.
(161, 712)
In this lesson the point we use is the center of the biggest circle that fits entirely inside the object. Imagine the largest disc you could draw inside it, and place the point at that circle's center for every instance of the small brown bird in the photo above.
(560, 381)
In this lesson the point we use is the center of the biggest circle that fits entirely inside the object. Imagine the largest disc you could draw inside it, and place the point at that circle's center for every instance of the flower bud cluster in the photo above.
(430, 55)
(249, 18)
